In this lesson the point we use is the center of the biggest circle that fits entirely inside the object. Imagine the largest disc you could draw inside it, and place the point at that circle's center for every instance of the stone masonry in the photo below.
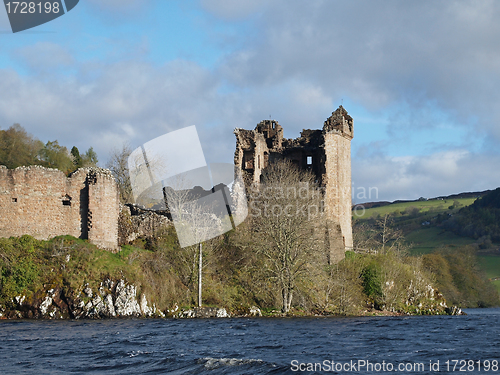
(45, 203)
(326, 153)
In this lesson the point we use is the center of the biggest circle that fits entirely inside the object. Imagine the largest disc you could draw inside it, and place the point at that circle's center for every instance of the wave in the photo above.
(214, 363)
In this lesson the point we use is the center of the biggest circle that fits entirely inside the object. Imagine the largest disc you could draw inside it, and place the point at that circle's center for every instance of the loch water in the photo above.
(254, 346)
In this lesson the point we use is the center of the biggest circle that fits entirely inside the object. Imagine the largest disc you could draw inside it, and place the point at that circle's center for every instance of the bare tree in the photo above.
(344, 290)
(381, 236)
(288, 226)
(118, 165)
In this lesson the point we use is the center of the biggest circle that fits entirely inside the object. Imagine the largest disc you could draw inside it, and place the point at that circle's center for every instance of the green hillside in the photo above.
(420, 222)
(424, 241)
(428, 226)
(433, 205)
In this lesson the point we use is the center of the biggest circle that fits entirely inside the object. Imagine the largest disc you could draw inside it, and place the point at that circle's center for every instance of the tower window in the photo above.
(66, 201)
(309, 160)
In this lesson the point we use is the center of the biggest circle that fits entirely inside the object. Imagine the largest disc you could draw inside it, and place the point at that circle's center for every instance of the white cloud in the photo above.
(44, 57)
(381, 54)
(442, 173)
(408, 62)
(123, 102)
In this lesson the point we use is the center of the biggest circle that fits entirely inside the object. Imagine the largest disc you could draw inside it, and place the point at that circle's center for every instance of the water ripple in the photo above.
(240, 346)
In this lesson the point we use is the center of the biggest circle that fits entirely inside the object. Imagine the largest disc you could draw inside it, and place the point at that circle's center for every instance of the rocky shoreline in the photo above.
(117, 299)
(111, 300)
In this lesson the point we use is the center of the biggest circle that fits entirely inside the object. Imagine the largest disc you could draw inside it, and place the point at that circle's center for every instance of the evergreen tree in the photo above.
(77, 159)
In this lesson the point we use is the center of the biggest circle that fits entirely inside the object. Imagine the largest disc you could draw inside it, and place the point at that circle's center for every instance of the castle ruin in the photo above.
(326, 153)
(44, 203)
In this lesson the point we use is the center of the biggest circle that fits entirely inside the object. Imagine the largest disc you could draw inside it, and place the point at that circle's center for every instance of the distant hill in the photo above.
(476, 194)
(374, 204)
(457, 219)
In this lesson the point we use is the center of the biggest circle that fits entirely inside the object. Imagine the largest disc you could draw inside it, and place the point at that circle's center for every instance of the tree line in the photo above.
(480, 220)
(19, 148)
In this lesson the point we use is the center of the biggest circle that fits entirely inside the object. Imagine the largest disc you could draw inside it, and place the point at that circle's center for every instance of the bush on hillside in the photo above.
(459, 278)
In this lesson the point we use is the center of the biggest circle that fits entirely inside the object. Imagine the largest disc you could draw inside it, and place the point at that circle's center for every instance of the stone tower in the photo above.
(337, 134)
(326, 153)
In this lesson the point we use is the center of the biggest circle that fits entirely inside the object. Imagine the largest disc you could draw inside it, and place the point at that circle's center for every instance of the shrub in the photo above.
(372, 283)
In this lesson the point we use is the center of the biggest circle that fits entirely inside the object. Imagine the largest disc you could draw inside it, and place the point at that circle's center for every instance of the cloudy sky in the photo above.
(421, 80)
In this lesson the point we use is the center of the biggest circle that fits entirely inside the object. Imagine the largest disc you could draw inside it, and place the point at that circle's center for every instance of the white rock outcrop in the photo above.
(126, 300)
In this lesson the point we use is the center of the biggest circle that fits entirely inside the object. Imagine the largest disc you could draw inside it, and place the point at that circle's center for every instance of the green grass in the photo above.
(27, 263)
(496, 284)
(490, 264)
(427, 240)
(435, 205)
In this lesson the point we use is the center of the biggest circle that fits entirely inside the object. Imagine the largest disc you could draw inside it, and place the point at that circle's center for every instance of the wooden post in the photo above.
(200, 265)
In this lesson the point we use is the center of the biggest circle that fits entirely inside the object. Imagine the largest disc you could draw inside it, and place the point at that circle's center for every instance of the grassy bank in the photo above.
(233, 277)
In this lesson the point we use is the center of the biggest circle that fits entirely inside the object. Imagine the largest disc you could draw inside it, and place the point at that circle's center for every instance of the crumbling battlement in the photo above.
(341, 122)
(44, 203)
(326, 153)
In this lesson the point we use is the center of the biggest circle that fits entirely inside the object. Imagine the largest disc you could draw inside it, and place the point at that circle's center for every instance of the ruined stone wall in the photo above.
(245, 143)
(45, 203)
(252, 154)
(40, 202)
(326, 153)
(260, 149)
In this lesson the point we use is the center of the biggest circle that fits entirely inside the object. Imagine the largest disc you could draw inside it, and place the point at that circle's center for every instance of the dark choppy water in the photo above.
(250, 346)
